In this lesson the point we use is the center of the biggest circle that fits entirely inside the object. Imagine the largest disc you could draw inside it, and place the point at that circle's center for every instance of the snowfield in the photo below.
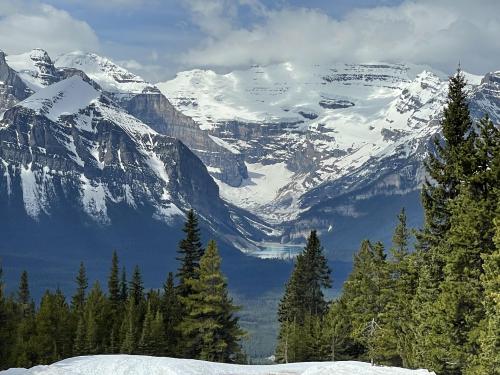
(142, 365)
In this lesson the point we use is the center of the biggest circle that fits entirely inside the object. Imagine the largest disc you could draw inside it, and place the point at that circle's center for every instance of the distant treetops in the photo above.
(193, 319)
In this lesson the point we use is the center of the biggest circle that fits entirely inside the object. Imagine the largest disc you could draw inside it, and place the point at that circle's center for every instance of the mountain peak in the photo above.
(62, 98)
(109, 75)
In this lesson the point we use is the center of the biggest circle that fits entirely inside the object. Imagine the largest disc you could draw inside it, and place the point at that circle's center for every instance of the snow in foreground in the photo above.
(141, 365)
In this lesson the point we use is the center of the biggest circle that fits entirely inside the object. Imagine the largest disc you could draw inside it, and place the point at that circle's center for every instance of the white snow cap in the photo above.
(62, 98)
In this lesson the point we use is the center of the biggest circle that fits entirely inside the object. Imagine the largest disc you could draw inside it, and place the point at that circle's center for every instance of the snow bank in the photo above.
(141, 365)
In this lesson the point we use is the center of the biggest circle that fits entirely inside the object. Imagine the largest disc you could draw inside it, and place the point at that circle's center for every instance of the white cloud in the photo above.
(438, 33)
(27, 25)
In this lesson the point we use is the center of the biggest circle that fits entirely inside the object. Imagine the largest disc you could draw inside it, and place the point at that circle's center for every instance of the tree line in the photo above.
(433, 300)
(191, 318)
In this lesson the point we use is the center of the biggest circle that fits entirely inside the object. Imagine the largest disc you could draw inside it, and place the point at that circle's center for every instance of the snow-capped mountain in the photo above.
(143, 100)
(291, 147)
(325, 145)
(70, 144)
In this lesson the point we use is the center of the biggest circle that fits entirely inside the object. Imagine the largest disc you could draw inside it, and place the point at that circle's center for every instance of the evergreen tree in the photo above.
(53, 336)
(210, 327)
(78, 300)
(487, 360)
(123, 287)
(136, 289)
(172, 316)
(304, 291)
(25, 353)
(152, 340)
(7, 326)
(79, 345)
(397, 341)
(365, 295)
(96, 315)
(114, 283)
(129, 328)
(190, 251)
(303, 301)
(337, 341)
(449, 164)
(23, 295)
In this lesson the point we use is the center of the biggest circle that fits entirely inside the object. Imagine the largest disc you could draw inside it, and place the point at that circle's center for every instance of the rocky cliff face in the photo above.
(12, 88)
(339, 147)
(154, 109)
(68, 145)
(146, 102)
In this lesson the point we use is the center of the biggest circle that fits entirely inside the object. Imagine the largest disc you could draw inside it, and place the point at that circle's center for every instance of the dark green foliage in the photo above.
(123, 286)
(114, 294)
(190, 251)
(210, 328)
(201, 324)
(303, 305)
(152, 341)
(136, 288)
(78, 300)
(53, 334)
(171, 311)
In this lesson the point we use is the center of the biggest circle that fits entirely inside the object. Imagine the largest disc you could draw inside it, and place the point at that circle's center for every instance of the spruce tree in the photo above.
(304, 291)
(210, 328)
(78, 300)
(53, 337)
(123, 287)
(450, 162)
(189, 253)
(397, 340)
(303, 301)
(7, 323)
(487, 360)
(136, 288)
(23, 295)
(96, 315)
(365, 296)
(171, 309)
(114, 283)
(130, 328)
(152, 341)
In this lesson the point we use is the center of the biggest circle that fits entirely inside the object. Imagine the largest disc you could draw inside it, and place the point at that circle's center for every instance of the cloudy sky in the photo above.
(157, 38)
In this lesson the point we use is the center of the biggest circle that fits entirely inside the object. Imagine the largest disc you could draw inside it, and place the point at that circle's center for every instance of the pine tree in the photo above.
(397, 341)
(365, 295)
(172, 316)
(78, 300)
(7, 329)
(303, 300)
(79, 345)
(136, 289)
(114, 283)
(53, 337)
(337, 341)
(487, 361)
(129, 328)
(123, 287)
(190, 251)
(304, 291)
(449, 164)
(23, 295)
(210, 327)
(152, 341)
(96, 315)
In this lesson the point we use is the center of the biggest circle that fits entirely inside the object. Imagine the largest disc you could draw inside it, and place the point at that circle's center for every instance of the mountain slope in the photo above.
(147, 103)
(138, 365)
(334, 147)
